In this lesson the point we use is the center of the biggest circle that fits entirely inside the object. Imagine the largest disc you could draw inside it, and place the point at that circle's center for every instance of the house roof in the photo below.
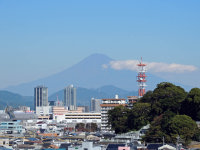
(114, 146)
(166, 147)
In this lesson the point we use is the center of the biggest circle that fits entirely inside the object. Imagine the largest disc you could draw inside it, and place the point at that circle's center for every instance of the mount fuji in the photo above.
(88, 73)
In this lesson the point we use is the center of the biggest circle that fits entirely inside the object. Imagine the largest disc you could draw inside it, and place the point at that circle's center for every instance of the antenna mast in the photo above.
(141, 78)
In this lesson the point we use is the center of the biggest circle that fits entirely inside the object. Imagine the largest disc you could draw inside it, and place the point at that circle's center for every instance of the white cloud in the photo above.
(151, 66)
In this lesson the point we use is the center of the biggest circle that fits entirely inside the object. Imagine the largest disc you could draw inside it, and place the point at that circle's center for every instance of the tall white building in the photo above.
(40, 96)
(108, 104)
(70, 97)
(95, 105)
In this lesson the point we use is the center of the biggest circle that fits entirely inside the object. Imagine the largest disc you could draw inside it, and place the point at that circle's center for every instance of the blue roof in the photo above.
(32, 139)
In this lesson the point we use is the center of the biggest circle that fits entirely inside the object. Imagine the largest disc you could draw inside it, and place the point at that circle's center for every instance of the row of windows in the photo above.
(7, 127)
(6, 123)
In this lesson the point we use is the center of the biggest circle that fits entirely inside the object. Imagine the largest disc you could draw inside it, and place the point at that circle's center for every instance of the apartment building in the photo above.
(108, 104)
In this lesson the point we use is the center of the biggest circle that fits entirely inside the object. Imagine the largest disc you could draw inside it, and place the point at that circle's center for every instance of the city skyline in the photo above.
(41, 38)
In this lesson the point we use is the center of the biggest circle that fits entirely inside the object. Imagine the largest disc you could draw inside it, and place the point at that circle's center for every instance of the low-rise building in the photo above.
(4, 142)
(11, 127)
(43, 112)
(83, 117)
(61, 114)
(132, 100)
(63, 110)
(78, 117)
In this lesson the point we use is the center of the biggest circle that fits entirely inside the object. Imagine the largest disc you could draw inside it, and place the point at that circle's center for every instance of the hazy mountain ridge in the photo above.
(13, 99)
(88, 73)
(84, 96)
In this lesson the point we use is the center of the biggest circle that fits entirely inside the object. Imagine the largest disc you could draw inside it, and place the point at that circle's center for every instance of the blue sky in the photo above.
(40, 38)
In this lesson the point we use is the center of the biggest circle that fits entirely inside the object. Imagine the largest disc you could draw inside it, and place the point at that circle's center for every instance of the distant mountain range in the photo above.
(15, 100)
(98, 82)
(84, 96)
(88, 73)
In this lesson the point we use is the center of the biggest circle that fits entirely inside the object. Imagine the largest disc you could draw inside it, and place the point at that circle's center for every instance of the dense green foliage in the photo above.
(139, 116)
(168, 109)
(166, 97)
(183, 126)
(192, 103)
(123, 119)
(117, 117)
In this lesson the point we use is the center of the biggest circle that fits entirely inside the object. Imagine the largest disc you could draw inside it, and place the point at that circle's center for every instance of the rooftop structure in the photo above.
(60, 110)
(21, 115)
(132, 100)
(43, 112)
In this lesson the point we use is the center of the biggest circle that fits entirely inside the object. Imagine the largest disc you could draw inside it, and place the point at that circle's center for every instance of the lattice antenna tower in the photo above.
(141, 78)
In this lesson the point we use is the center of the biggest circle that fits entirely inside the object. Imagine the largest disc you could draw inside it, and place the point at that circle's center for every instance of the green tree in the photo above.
(91, 127)
(147, 98)
(117, 118)
(155, 134)
(196, 137)
(166, 117)
(191, 105)
(183, 126)
(165, 97)
(178, 126)
(123, 119)
(80, 127)
(138, 116)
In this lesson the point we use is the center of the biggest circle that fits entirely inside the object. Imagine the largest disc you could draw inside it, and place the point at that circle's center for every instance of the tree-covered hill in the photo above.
(170, 111)
(13, 99)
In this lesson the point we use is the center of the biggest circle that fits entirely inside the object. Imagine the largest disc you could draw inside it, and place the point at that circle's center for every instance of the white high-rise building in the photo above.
(70, 97)
(95, 105)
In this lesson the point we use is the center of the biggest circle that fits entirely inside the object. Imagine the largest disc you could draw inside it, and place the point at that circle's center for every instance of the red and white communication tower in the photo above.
(141, 78)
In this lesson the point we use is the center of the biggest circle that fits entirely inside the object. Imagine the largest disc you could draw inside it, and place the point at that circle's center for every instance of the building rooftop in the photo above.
(114, 99)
